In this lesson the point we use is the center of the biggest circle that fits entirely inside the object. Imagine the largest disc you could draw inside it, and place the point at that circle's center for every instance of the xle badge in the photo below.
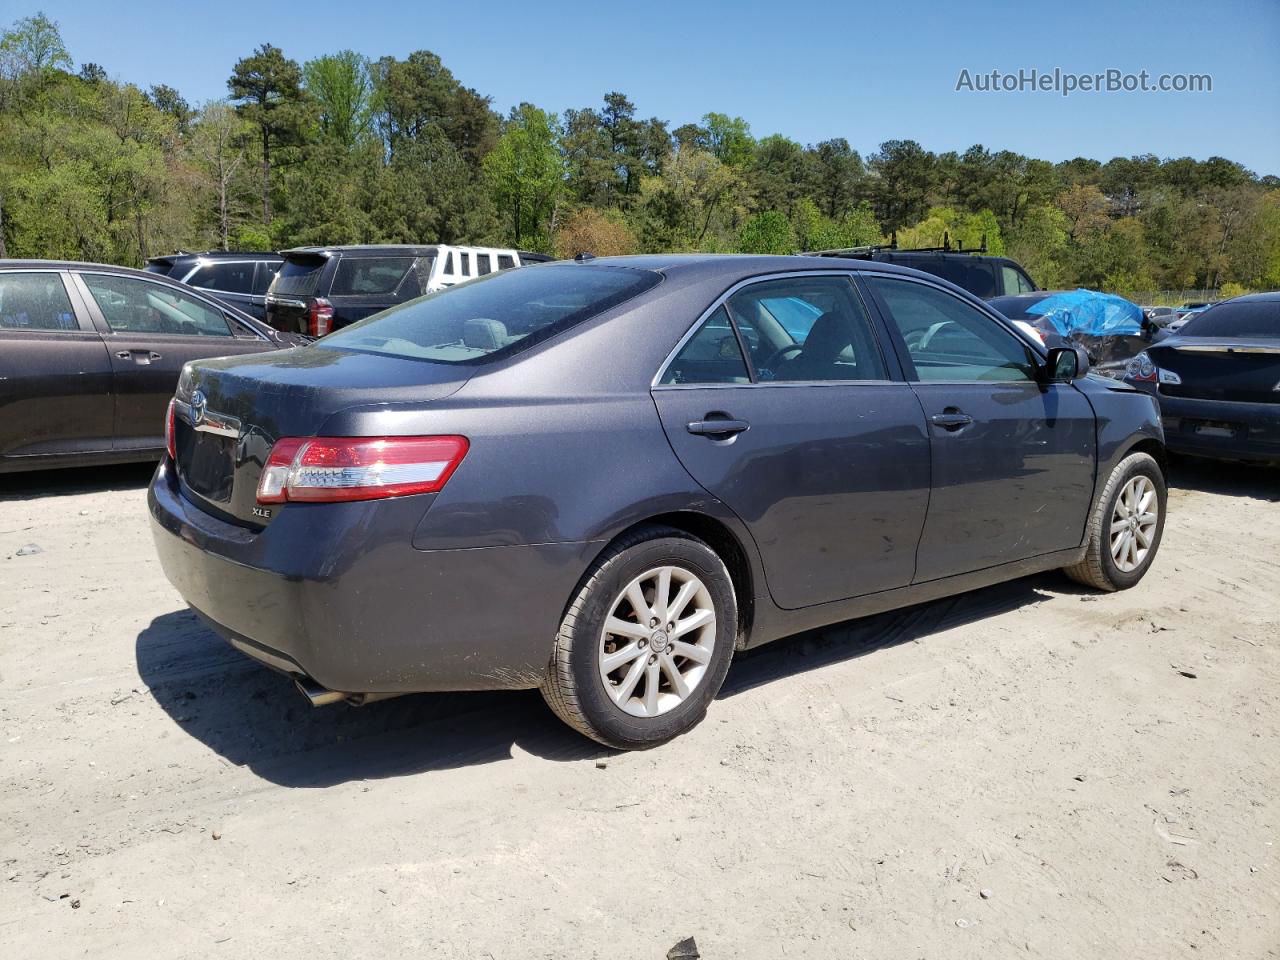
(262, 512)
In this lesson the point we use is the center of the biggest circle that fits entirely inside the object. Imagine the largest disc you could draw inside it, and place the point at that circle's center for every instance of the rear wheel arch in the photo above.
(720, 538)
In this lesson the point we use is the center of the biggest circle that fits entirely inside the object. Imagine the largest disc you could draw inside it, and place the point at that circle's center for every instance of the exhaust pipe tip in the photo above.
(318, 695)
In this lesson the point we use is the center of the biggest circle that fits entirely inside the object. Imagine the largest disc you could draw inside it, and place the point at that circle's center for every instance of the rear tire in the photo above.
(646, 641)
(1125, 527)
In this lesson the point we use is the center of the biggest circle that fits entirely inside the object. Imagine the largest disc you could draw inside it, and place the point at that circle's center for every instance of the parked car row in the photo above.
(90, 354)
(1217, 380)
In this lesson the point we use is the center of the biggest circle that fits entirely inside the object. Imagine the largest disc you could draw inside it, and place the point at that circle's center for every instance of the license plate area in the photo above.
(1217, 428)
(209, 465)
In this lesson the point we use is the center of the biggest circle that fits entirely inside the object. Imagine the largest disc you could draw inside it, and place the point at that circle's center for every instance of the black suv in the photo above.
(981, 275)
(240, 279)
(322, 289)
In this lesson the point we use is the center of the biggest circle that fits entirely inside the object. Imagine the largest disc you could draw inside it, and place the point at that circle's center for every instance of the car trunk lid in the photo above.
(233, 409)
(1239, 370)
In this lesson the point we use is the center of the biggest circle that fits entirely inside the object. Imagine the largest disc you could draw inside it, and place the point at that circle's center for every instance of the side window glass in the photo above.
(448, 262)
(949, 339)
(130, 305)
(267, 271)
(1014, 281)
(482, 264)
(228, 277)
(35, 301)
(506, 261)
(712, 355)
(807, 328)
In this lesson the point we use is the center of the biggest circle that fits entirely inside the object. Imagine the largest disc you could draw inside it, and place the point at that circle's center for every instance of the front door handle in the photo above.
(717, 428)
(952, 420)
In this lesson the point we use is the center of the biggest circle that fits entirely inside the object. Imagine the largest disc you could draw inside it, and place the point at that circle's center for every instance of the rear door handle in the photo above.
(714, 428)
(141, 356)
(951, 421)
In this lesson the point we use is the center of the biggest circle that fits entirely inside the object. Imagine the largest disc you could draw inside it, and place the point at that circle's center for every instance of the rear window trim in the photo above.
(550, 332)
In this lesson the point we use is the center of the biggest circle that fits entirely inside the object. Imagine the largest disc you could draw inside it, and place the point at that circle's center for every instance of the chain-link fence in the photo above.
(1170, 298)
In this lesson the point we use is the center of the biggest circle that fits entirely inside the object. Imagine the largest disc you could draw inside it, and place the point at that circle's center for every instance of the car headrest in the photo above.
(481, 333)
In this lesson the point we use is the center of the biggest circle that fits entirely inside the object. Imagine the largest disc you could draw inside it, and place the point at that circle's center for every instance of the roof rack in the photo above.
(869, 252)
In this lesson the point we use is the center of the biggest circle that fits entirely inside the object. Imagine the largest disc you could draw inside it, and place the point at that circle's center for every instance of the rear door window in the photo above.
(807, 329)
(232, 277)
(483, 264)
(370, 276)
(506, 261)
(35, 301)
(712, 355)
(130, 305)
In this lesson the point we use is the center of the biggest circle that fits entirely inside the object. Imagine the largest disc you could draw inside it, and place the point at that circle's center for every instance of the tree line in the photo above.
(348, 149)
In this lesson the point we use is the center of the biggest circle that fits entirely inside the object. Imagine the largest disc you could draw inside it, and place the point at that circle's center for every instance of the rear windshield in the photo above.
(495, 315)
(1256, 318)
(1015, 308)
(373, 276)
(298, 278)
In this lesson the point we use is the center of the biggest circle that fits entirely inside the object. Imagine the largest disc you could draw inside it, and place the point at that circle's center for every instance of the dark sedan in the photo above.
(90, 355)
(603, 478)
(1218, 380)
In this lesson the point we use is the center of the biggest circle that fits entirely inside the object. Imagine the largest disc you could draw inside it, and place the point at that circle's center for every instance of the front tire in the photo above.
(1125, 527)
(646, 641)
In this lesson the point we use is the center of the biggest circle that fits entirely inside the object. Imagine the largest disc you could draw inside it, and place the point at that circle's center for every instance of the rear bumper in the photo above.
(337, 592)
(1255, 434)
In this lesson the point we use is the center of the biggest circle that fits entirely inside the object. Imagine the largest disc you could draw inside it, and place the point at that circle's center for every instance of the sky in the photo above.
(867, 72)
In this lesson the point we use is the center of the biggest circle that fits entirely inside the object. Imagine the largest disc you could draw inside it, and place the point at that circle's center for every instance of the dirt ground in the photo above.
(1030, 770)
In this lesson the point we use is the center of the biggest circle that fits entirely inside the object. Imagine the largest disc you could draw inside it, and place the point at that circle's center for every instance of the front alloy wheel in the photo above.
(1125, 527)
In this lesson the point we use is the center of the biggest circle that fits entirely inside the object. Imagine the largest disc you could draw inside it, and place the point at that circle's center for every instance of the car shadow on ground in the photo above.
(1225, 478)
(63, 483)
(255, 717)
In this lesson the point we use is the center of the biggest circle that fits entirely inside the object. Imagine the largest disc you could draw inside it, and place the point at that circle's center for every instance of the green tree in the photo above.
(526, 174)
(904, 175)
(218, 144)
(268, 88)
(342, 89)
(729, 139)
(33, 46)
(768, 232)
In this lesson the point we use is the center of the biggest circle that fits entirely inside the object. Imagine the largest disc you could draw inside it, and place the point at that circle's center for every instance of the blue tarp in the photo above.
(1090, 313)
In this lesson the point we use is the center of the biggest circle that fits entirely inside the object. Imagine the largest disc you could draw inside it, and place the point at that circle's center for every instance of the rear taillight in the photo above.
(319, 317)
(170, 441)
(327, 469)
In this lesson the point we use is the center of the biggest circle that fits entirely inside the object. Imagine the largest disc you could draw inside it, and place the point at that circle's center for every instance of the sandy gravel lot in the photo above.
(1105, 768)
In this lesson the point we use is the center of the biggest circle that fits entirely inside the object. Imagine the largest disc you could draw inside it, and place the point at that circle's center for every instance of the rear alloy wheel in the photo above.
(1125, 527)
(646, 642)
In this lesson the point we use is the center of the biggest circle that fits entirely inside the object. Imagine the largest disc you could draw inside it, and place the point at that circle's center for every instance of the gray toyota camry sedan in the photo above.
(602, 478)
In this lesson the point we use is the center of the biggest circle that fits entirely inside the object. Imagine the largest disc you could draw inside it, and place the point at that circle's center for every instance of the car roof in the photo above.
(746, 264)
(74, 265)
(365, 249)
(1266, 296)
(214, 255)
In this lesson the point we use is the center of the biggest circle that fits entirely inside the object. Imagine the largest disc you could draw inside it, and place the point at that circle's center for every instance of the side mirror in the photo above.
(1065, 364)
